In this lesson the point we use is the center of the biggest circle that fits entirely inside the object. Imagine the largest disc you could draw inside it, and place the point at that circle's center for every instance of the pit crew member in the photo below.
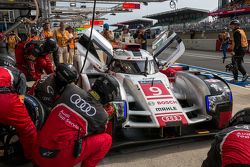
(74, 130)
(239, 47)
(231, 146)
(13, 111)
(38, 55)
(50, 87)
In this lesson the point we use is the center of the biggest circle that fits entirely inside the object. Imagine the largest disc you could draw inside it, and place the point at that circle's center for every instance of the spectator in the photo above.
(71, 45)
(125, 35)
(140, 37)
(12, 40)
(107, 33)
(62, 37)
(46, 32)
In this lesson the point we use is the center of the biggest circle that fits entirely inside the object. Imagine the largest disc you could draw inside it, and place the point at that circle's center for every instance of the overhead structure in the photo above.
(17, 4)
(179, 16)
(108, 0)
(133, 24)
(70, 11)
(228, 8)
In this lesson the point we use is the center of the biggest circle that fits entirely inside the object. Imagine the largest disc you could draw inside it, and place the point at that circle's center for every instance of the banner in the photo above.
(226, 12)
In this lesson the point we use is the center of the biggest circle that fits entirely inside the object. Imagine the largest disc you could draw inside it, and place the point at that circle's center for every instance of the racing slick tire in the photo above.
(36, 110)
(11, 151)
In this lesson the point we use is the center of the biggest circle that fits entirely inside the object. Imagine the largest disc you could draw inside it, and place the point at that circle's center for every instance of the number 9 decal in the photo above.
(156, 91)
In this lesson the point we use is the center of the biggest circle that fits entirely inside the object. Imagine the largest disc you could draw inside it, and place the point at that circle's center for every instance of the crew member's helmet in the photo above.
(241, 117)
(106, 26)
(50, 45)
(235, 22)
(6, 60)
(66, 74)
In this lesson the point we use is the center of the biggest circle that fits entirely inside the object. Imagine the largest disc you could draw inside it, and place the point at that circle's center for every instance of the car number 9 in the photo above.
(156, 91)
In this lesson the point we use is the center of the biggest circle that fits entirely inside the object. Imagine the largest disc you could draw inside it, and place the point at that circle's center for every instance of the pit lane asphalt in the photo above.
(211, 60)
(183, 155)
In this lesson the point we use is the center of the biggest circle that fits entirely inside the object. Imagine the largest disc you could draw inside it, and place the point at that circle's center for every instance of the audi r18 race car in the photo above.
(137, 82)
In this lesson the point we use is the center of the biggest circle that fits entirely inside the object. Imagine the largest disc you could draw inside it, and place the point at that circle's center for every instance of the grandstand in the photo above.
(205, 24)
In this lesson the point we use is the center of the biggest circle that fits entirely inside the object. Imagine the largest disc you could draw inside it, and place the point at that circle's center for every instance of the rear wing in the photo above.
(163, 42)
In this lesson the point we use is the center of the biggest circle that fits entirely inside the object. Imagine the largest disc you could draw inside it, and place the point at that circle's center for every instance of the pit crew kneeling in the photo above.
(74, 130)
(13, 111)
(231, 147)
(33, 57)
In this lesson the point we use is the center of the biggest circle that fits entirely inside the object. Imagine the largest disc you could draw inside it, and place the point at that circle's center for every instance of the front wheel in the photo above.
(35, 110)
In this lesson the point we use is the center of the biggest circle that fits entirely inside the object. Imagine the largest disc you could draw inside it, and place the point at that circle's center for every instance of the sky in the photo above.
(161, 7)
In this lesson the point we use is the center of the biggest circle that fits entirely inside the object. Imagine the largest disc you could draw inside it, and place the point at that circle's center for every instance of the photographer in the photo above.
(140, 37)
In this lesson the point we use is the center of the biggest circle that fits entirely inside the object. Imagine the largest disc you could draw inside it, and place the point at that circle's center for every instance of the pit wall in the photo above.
(204, 44)
(201, 44)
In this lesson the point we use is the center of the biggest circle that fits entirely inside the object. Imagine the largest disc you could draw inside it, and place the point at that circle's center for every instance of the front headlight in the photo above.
(121, 109)
(212, 101)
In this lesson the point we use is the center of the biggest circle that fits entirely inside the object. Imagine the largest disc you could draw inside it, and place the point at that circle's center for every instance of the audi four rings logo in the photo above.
(82, 105)
(171, 118)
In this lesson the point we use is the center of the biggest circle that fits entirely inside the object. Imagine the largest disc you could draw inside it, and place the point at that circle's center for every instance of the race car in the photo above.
(137, 83)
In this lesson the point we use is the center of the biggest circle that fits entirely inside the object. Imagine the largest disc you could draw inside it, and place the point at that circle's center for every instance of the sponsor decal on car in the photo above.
(154, 89)
(169, 119)
(151, 103)
(164, 102)
(166, 109)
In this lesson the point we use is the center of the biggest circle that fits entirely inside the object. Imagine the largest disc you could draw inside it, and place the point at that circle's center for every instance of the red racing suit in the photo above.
(21, 62)
(13, 111)
(35, 59)
(231, 148)
(75, 117)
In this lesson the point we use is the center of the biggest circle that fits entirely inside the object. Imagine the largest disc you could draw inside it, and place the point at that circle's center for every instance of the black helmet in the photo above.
(241, 117)
(5, 58)
(50, 45)
(235, 22)
(140, 26)
(66, 74)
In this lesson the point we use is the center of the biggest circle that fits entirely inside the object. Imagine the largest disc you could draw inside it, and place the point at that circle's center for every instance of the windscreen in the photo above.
(142, 67)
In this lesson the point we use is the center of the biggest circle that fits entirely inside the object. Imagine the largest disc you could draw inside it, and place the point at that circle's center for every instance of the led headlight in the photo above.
(212, 101)
(121, 109)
